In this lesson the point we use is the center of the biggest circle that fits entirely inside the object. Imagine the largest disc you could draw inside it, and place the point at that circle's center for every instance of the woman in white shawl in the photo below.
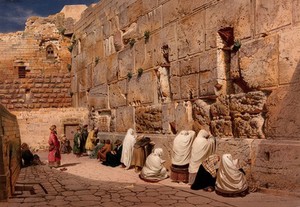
(203, 146)
(231, 180)
(153, 170)
(182, 145)
(127, 150)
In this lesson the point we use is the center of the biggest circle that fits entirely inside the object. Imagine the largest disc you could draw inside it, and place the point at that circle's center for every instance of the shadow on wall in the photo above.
(283, 119)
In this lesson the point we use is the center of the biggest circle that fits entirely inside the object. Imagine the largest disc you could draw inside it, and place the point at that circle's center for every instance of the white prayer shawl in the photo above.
(229, 178)
(202, 148)
(127, 149)
(182, 145)
(153, 168)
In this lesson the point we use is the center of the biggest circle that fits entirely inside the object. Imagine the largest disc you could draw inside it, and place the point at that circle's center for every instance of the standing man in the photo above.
(77, 142)
(84, 135)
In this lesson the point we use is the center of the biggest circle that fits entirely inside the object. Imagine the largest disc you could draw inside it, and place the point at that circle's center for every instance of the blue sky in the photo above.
(13, 13)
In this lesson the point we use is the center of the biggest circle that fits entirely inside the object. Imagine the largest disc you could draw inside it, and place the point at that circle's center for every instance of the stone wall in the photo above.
(10, 154)
(229, 66)
(35, 124)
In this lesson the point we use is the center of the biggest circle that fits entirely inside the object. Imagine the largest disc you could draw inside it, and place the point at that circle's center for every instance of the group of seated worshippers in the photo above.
(205, 169)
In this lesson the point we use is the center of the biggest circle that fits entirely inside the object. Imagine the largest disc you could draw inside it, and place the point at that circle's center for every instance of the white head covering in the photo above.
(229, 178)
(127, 149)
(182, 145)
(203, 146)
(153, 168)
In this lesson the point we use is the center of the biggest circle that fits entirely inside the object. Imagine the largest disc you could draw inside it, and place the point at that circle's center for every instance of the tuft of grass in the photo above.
(129, 75)
(140, 72)
(146, 36)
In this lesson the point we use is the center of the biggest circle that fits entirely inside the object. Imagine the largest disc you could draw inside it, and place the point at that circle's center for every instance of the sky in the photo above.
(14, 13)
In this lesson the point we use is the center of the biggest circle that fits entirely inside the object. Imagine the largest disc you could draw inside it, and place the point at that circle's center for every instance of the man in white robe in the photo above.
(153, 170)
(231, 181)
(182, 146)
(127, 151)
(203, 146)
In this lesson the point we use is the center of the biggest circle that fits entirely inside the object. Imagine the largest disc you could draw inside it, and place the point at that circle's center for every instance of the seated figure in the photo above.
(153, 170)
(65, 145)
(104, 150)
(98, 147)
(141, 150)
(113, 158)
(28, 158)
(231, 180)
(181, 154)
(206, 175)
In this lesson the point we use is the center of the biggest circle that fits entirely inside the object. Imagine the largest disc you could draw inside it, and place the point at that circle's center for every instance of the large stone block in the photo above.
(282, 118)
(151, 21)
(142, 89)
(100, 73)
(183, 116)
(189, 66)
(169, 11)
(175, 87)
(234, 13)
(112, 67)
(296, 8)
(118, 94)
(98, 97)
(166, 36)
(168, 118)
(191, 34)
(289, 57)
(272, 14)
(143, 55)
(126, 62)
(259, 62)
(148, 119)
(124, 118)
(201, 115)
(276, 164)
(189, 86)
(208, 73)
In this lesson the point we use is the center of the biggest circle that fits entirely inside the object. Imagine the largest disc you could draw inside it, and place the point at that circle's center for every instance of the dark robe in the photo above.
(27, 157)
(203, 179)
(84, 135)
(114, 160)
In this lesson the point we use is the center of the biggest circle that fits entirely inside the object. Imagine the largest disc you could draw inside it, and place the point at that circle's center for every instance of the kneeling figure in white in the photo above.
(154, 169)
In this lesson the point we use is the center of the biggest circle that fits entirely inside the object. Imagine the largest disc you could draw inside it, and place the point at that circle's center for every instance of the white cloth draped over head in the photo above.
(203, 146)
(127, 149)
(229, 178)
(153, 168)
(182, 145)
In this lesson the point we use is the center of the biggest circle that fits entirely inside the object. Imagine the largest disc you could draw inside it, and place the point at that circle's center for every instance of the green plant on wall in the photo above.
(132, 42)
(146, 36)
(236, 46)
(61, 30)
(140, 72)
(129, 75)
(96, 60)
(69, 66)
(70, 48)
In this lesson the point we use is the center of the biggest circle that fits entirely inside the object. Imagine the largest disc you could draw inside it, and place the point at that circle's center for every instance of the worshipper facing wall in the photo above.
(154, 170)
(113, 158)
(84, 135)
(28, 158)
(77, 139)
(98, 147)
(65, 147)
(89, 145)
(203, 146)
(127, 152)
(142, 148)
(104, 150)
(54, 156)
(231, 180)
(206, 175)
(181, 154)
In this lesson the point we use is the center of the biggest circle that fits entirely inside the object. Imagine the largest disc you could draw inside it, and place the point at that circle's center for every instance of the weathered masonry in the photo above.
(230, 66)
(161, 66)
(10, 155)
